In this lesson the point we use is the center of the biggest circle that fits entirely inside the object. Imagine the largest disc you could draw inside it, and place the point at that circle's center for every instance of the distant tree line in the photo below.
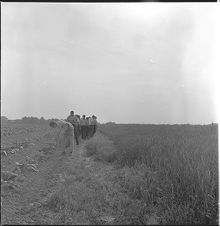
(29, 119)
(33, 119)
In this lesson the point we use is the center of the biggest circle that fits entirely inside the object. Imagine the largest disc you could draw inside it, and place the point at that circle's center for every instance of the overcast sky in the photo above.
(128, 62)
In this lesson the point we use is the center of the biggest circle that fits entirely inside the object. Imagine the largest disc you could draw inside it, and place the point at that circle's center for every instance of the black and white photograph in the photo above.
(109, 113)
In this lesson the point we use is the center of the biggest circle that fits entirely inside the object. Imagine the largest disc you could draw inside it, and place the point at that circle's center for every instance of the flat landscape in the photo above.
(125, 174)
(138, 81)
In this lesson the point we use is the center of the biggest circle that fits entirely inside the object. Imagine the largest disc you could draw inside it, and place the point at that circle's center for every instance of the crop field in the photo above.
(19, 140)
(125, 174)
(183, 160)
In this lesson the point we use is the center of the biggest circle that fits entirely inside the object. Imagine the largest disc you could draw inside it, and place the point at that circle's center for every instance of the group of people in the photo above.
(85, 127)
(72, 128)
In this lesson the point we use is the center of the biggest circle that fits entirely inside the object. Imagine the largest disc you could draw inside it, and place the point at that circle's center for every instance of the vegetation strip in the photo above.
(123, 175)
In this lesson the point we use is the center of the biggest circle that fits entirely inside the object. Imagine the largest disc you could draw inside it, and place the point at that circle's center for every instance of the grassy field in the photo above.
(125, 174)
(171, 167)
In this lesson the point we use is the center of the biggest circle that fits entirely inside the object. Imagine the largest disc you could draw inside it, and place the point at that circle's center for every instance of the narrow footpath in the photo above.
(68, 189)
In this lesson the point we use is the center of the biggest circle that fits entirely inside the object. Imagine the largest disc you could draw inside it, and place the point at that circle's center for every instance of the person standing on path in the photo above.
(90, 127)
(87, 127)
(65, 136)
(83, 125)
(78, 126)
(74, 121)
(94, 124)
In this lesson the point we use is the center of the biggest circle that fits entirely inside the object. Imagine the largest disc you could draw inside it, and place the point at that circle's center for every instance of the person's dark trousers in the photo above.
(94, 129)
(76, 134)
(83, 131)
(90, 130)
(87, 132)
(79, 130)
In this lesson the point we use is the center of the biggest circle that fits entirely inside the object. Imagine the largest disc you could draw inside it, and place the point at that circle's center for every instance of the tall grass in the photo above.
(184, 161)
(101, 148)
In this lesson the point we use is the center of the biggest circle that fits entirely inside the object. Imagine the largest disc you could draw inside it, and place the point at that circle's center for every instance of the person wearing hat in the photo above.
(65, 135)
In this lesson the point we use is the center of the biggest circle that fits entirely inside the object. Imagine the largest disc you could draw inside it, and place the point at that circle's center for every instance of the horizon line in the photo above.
(125, 123)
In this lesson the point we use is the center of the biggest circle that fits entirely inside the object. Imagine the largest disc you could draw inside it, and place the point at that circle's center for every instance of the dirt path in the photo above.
(72, 184)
